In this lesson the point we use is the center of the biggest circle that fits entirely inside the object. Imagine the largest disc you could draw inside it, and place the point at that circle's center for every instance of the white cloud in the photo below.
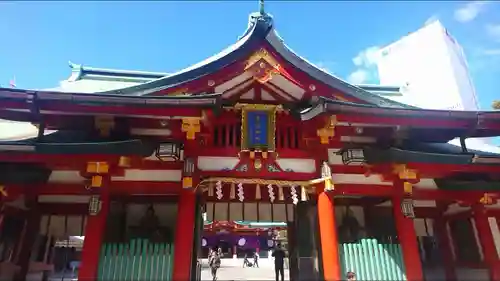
(493, 31)
(491, 52)
(359, 76)
(367, 57)
(365, 62)
(469, 11)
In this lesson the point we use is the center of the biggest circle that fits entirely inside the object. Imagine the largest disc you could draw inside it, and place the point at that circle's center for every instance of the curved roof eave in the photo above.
(260, 29)
(254, 34)
(318, 74)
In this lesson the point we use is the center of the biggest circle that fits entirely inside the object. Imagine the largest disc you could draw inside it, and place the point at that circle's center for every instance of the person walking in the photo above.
(214, 263)
(279, 262)
(256, 259)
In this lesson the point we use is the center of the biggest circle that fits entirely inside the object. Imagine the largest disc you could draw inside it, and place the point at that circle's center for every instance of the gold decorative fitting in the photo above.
(3, 191)
(257, 164)
(179, 92)
(97, 167)
(211, 83)
(486, 200)
(187, 182)
(404, 173)
(328, 131)
(262, 65)
(303, 194)
(407, 187)
(329, 185)
(340, 98)
(104, 124)
(191, 126)
(124, 162)
(96, 181)
(312, 87)
(271, 125)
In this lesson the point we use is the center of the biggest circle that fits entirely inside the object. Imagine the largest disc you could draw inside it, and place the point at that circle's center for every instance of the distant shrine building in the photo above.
(136, 175)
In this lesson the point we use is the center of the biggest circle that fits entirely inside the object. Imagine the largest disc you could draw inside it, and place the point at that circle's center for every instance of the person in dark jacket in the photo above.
(256, 259)
(279, 262)
(351, 276)
(214, 262)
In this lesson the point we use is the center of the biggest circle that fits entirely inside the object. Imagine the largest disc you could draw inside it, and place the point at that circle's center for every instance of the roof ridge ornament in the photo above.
(261, 7)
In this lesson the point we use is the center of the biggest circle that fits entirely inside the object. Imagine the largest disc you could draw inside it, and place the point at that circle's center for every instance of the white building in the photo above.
(431, 68)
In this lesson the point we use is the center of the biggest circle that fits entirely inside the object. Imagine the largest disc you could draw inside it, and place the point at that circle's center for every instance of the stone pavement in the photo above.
(233, 270)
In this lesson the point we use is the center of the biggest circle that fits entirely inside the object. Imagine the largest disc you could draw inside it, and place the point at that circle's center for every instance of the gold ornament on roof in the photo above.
(487, 199)
(262, 65)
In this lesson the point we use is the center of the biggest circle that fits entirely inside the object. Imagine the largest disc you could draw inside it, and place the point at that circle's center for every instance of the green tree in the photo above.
(496, 105)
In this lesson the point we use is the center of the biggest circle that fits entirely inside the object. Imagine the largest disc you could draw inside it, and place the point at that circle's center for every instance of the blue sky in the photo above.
(40, 38)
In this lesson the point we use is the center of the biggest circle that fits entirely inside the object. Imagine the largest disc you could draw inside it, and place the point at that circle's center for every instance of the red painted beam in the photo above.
(407, 121)
(440, 169)
(263, 174)
(418, 193)
(115, 187)
(122, 110)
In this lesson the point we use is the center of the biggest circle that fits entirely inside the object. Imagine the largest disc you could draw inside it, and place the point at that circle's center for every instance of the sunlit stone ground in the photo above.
(233, 270)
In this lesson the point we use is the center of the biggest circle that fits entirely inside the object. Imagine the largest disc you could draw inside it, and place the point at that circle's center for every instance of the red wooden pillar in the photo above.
(184, 235)
(30, 233)
(328, 236)
(486, 240)
(444, 243)
(408, 240)
(94, 236)
(1, 213)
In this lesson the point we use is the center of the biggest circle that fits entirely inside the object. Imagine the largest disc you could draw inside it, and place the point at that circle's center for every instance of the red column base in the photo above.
(184, 235)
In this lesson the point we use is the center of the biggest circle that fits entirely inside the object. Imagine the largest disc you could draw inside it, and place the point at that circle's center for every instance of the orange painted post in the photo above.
(184, 235)
(409, 245)
(328, 236)
(95, 231)
(486, 240)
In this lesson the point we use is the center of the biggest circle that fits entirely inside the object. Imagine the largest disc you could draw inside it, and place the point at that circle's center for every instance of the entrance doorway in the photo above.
(247, 249)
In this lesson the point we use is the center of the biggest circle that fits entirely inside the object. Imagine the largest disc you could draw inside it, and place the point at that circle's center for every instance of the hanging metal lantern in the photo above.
(352, 156)
(407, 208)
(168, 151)
(94, 205)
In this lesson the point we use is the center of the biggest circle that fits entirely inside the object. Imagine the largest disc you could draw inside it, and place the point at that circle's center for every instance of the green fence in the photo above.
(371, 260)
(137, 260)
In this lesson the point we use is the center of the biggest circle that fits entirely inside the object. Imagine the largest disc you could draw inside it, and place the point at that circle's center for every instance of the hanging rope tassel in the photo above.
(211, 189)
(281, 196)
(303, 194)
(232, 194)
(257, 192)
